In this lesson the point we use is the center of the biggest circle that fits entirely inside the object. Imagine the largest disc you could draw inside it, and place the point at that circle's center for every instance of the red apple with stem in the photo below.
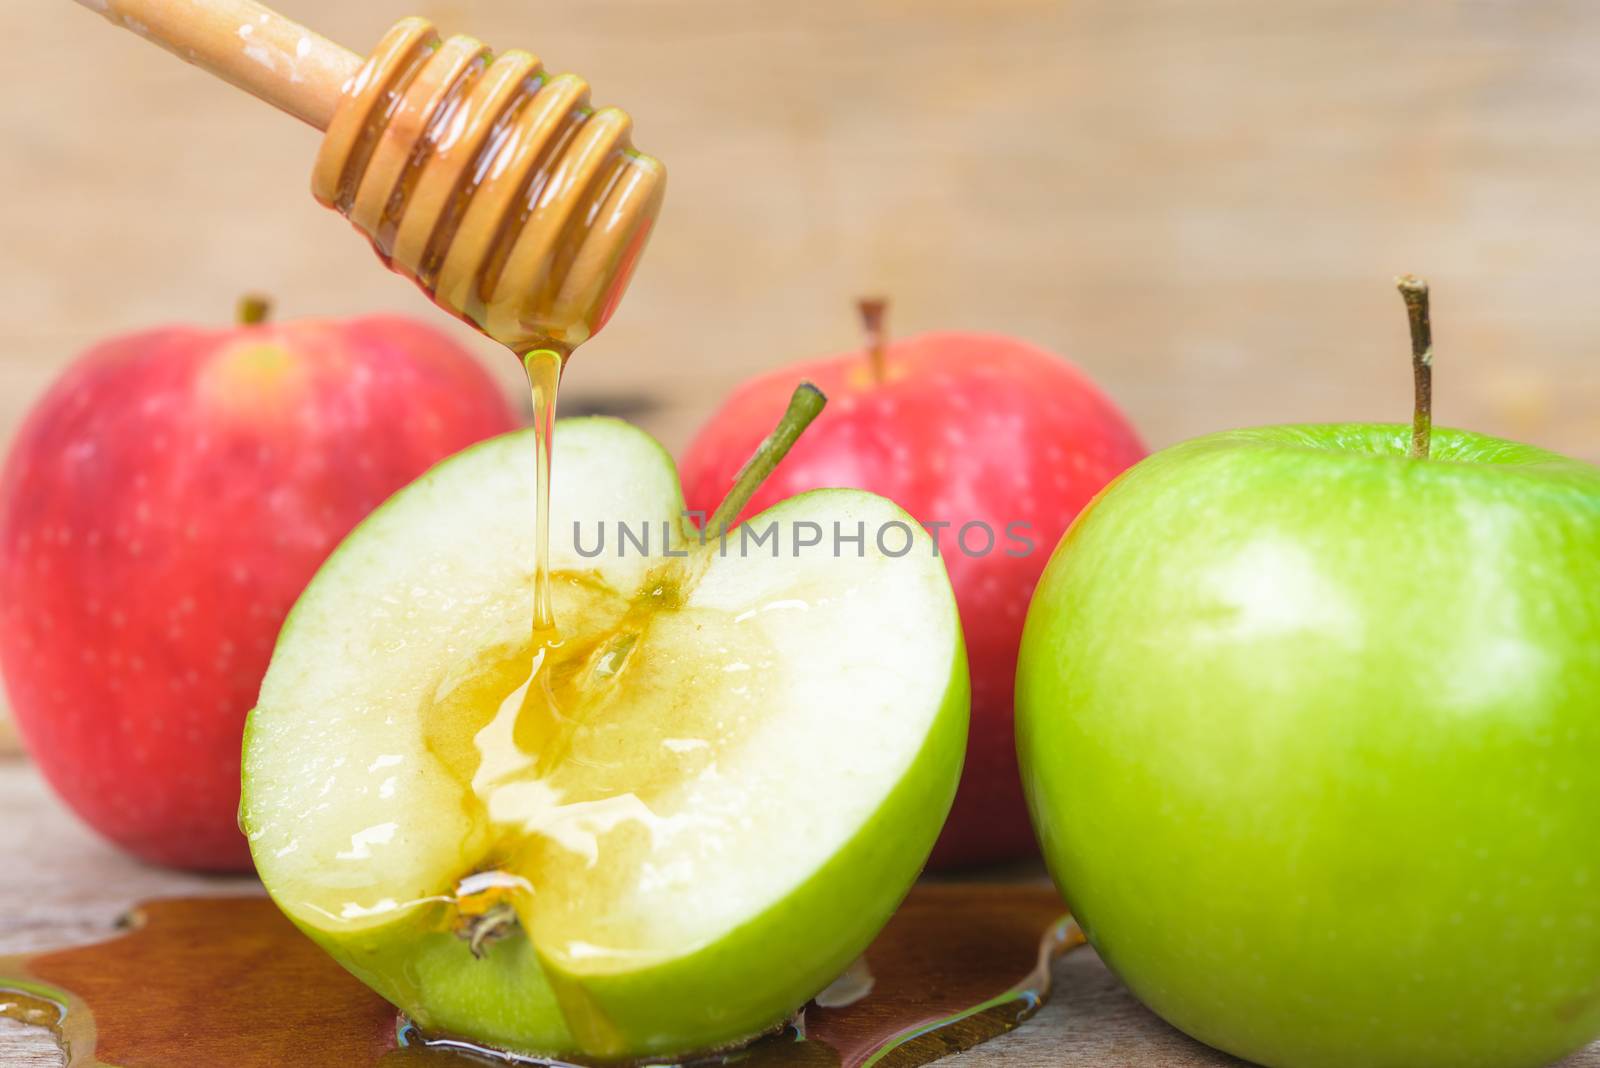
(160, 510)
(994, 444)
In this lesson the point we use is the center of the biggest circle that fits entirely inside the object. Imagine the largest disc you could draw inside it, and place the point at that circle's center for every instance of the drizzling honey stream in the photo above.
(508, 199)
(504, 195)
(543, 368)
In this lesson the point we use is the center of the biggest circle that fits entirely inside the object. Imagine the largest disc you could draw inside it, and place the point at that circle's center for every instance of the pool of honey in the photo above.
(212, 981)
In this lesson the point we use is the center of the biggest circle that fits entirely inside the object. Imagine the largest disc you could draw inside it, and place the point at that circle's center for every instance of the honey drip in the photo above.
(543, 367)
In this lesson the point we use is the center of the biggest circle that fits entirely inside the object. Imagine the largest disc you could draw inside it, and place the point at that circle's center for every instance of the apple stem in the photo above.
(873, 311)
(669, 586)
(804, 405)
(491, 926)
(253, 309)
(1414, 291)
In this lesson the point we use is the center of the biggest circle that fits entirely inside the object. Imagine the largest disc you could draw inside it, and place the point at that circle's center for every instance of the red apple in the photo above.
(957, 429)
(160, 510)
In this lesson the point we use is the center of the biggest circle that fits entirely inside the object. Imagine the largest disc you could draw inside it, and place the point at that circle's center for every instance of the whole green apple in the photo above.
(744, 772)
(1309, 728)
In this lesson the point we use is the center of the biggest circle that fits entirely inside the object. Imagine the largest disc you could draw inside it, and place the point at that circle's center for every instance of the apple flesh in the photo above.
(160, 510)
(1309, 730)
(960, 428)
(743, 774)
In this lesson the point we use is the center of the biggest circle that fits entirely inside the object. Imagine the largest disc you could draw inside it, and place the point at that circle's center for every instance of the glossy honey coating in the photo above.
(492, 184)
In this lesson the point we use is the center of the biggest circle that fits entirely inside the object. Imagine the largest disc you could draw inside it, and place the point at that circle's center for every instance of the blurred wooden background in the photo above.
(1203, 203)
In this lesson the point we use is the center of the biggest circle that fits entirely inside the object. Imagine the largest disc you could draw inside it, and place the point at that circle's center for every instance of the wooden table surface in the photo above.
(60, 885)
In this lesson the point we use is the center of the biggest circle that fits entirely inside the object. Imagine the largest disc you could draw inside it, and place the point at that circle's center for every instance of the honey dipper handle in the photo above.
(244, 43)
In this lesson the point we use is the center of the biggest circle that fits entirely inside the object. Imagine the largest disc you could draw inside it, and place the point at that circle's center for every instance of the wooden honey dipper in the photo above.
(493, 185)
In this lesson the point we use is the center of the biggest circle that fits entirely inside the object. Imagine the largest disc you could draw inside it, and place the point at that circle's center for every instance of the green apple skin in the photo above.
(749, 981)
(1310, 733)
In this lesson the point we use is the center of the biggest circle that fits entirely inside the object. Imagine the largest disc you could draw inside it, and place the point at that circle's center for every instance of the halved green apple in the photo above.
(747, 758)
